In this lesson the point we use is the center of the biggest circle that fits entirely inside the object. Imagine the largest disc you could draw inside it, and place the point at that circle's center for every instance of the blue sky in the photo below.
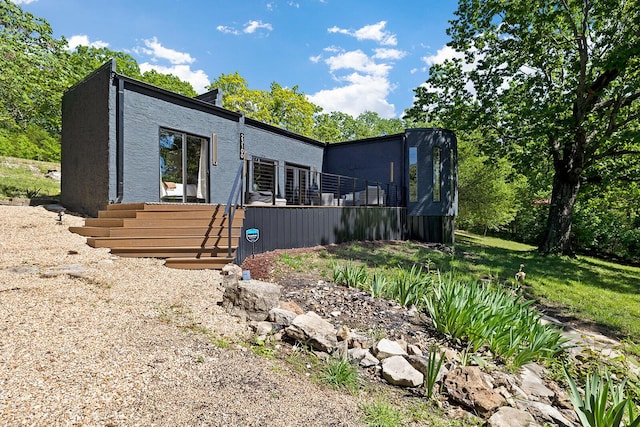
(345, 55)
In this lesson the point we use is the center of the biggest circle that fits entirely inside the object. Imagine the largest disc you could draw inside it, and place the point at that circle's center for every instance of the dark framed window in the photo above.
(437, 178)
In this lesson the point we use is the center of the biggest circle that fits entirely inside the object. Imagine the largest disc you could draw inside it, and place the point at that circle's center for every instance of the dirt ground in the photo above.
(87, 338)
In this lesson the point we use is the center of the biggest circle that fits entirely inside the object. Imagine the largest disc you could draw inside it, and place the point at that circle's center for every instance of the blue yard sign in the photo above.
(252, 235)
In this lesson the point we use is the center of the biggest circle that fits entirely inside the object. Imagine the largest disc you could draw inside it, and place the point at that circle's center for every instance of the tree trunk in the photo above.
(557, 238)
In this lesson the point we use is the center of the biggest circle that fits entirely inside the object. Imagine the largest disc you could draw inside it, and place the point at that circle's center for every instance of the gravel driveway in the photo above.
(91, 339)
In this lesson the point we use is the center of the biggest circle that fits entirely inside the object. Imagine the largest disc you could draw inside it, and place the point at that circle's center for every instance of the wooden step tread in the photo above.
(198, 263)
(192, 252)
(155, 241)
(103, 222)
(91, 231)
(137, 232)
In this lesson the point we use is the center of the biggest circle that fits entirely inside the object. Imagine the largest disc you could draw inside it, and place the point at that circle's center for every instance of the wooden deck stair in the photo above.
(188, 236)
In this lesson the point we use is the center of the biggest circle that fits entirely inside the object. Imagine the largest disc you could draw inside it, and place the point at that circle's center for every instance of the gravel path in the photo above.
(87, 338)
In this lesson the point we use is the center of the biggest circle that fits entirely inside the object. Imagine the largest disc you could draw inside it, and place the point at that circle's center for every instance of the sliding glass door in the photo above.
(184, 169)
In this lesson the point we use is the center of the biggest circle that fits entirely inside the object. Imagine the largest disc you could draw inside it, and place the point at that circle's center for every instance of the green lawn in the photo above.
(589, 289)
(22, 178)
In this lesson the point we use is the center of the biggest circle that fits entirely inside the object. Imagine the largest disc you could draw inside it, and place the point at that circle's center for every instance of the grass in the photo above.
(340, 373)
(22, 178)
(591, 290)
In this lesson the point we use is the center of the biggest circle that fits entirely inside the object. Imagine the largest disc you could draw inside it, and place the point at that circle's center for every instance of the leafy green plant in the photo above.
(355, 276)
(338, 372)
(603, 402)
(378, 285)
(381, 414)
(337, 273)
(488, 315)
(350, 275)
(408, 287)
(32, 193)
(434, 363)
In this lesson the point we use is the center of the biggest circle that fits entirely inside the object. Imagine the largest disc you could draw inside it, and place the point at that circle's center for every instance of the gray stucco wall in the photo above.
(144, 114)
(265, 143)
(89, 121)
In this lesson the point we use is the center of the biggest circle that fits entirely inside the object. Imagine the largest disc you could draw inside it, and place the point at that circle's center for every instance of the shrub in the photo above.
(408, 287)
(489, 315)
(603, 402)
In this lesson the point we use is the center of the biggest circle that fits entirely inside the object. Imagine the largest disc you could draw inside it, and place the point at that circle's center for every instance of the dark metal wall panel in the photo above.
(436, 229)
(298, 227)
(425, 140)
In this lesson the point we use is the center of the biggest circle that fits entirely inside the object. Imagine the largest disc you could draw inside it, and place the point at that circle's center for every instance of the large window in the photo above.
(183, 167)
(437, 186)
(263, 176)
(413, 174)
(297, 184)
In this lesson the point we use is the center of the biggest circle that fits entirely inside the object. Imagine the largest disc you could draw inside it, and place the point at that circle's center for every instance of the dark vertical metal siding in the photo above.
(436, 229)
(299, 227)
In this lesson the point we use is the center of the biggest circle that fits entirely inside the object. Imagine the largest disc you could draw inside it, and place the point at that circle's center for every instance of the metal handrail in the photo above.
(385, 193)
(230, 209)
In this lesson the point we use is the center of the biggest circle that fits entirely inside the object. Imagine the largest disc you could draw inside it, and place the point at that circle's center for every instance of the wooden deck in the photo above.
(187, 236)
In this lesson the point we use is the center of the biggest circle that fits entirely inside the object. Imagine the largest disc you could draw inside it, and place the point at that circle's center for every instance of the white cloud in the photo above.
(23, 1)
(83, 40)
(333, 49)
(252, 26)
(443, 54)
(157, 51)
(360, 93)
(227, 30)
(384, 53)
(315, 59)
(359, 61)
(294, 4)
(373, 32)
(198, 78)
(249, 28)
(363, 79)
(169, 61)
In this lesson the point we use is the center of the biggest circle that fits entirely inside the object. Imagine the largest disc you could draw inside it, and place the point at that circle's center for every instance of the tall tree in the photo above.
(337, 126)
(283, 107)
(488, 187)
(29, 58)
(556, 79)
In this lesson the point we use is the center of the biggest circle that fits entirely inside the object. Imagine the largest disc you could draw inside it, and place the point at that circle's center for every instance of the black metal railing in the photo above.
(291, 185)
(233, 202)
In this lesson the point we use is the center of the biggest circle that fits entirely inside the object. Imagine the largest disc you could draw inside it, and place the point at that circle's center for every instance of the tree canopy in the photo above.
(557, 82)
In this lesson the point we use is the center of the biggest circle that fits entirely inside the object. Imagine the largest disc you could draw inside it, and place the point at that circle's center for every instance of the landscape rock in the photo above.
(397, 371)
(545, 413)
(282, 318)
(232, 269)
(343, 334)
(421, 363)
(511, 417)
(360, 341)
(387, 348)
(252, 299)
(291, 306)
(414, 350)
(363, 357)
(312, 330)
(467, 385)
(532, 385)
(261, 328)
(73, 270)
